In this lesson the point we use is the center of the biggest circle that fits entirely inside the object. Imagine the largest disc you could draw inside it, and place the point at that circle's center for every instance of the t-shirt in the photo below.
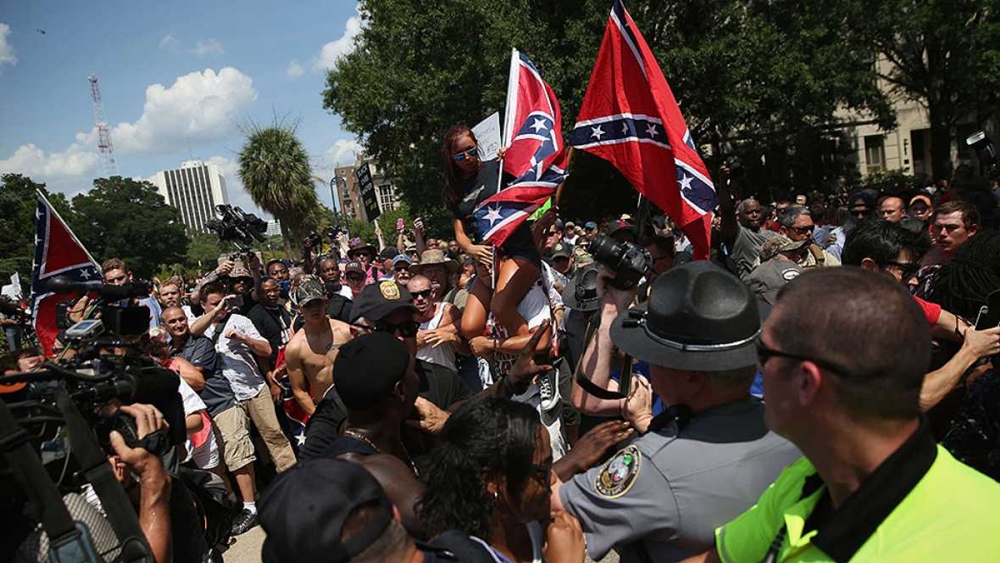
(274, 325)
(239, 364)
(746, 248)
(218, 392)
(932, 311)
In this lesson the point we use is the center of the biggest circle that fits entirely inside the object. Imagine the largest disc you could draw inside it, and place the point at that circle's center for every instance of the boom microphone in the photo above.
(62, 284)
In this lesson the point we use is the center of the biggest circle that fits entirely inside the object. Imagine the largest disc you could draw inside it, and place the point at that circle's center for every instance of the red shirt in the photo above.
(932, 311)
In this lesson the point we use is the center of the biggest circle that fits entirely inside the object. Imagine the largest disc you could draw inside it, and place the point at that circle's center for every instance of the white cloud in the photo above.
(169, 43)
(294, 70)
(343, 151)
(197, 107)
(7, 55)
(210, 47)
(333, 50)
(79, 160)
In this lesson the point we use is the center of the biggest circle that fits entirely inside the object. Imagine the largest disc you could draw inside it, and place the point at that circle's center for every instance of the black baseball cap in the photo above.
(368, 367)
(377, 300)
(304, 510)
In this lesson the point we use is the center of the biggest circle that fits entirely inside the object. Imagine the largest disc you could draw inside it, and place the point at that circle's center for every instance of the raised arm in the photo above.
(730, 228)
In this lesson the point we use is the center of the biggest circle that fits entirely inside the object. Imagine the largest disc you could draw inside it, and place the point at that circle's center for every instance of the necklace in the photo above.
(364, 439)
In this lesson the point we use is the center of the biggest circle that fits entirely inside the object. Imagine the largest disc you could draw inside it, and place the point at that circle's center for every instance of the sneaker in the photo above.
(244, 522)
(547, 391)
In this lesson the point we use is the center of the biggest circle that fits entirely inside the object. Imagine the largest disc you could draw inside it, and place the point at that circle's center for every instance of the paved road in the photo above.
(247, 549)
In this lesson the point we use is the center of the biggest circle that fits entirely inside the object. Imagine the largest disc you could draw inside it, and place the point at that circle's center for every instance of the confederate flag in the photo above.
(57, 253)
(630, 118)
(535, 155)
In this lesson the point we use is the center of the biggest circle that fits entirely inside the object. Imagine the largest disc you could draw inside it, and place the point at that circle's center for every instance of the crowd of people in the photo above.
(821, 389)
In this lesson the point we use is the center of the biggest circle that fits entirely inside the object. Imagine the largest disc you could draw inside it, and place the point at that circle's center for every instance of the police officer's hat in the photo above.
(581, 291)
(699, 317)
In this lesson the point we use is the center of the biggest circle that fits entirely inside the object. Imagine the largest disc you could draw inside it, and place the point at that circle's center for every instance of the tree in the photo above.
(128, 219)
(762, 78)
(943, 54)
(17, 222)
(275, 171)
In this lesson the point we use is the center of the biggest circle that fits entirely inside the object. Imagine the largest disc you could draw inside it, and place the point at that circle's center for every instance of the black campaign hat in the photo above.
(377, 300)
(699, 317)
(304, 510)
(580, 293)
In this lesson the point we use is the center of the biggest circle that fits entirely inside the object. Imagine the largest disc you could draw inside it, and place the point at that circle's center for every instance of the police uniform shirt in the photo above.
(767, 279)
(661, 497)
(919, 505)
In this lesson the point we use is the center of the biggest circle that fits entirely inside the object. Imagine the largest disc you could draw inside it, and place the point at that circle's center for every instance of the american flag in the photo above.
(630, 118)
(57, 253)
(535, 155)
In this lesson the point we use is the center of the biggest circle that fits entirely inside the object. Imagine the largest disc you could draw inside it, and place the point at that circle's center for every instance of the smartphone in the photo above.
(989, 314)
(85, 329)
(400, 224)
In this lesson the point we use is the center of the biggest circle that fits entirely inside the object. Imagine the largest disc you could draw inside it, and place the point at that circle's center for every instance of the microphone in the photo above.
(62, 284)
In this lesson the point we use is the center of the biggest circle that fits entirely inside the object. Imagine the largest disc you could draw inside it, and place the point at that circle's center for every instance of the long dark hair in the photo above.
(493, 437)
(452, 173)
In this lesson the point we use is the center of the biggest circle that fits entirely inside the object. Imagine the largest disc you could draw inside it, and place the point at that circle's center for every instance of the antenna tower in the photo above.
(109, 164)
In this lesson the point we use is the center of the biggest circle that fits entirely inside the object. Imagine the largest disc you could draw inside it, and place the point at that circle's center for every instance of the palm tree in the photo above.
(275, 171)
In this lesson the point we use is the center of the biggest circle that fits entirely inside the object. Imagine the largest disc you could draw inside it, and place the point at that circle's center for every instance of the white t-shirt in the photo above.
(239, 364)
(206, 456)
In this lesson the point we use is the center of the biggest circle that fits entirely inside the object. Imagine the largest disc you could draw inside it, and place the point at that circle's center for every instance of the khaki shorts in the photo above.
(234, 425)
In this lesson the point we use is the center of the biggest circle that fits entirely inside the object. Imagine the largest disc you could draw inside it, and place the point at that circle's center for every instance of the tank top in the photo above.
(443, 355)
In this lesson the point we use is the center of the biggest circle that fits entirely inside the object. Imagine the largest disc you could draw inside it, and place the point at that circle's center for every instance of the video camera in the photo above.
(117, 315)
(627, 260)
(986, 152)
(236, 226)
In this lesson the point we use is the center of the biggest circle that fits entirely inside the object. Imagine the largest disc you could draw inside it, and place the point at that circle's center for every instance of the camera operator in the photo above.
(144, 478)
(116, 273)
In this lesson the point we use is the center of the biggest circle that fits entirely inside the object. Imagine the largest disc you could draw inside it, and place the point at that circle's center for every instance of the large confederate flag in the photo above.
(630, 118)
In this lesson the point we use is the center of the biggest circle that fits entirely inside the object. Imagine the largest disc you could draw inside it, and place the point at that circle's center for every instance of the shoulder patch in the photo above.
(619, 473)
(790, 274)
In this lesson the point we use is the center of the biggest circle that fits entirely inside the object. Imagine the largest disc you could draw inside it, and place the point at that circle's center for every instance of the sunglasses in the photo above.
(425, 294)
(804, 230)
(467, 153)
(764, 354)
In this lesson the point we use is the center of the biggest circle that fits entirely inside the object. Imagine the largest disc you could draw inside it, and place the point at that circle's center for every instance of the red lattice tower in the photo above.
(109, 164)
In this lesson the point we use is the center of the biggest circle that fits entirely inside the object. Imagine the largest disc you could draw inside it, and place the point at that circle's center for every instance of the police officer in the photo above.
(704, 459)
(873, 485)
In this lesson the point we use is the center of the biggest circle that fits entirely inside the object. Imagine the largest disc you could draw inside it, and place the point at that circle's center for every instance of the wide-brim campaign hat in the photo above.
(431, 257)
(580, 293)
(699, 317)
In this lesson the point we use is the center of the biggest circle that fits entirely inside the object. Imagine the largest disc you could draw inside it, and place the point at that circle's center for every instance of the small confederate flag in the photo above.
(57, 253)
(630, 118)
(535, 155)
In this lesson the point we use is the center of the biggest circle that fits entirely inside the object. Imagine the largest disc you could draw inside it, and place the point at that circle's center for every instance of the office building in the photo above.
(194, 189)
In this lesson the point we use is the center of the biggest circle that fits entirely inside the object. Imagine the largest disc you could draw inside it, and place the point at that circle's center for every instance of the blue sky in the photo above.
(177, 79)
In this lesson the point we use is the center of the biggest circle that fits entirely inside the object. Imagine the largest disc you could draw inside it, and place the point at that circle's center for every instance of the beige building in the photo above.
(349, 192)
(907, 148)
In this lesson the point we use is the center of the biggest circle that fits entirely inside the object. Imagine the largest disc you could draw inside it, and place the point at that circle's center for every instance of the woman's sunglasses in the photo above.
(467, 153)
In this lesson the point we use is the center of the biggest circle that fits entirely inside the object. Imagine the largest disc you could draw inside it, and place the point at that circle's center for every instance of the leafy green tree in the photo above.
(17, 222)
(941, 53)
(128, 219)
(274, 168)
(759, 79)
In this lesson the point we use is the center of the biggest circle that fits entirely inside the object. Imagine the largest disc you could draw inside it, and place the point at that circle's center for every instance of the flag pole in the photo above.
(559, 190)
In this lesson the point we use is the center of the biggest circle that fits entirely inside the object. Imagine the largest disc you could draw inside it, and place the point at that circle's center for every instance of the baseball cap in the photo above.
(305, 508)
(590, 225)
(562, 250)
(309, 289)
(368, 367)
(401, 258)
(354, 267)
(388, 253)
(619, 225)
(377, 300)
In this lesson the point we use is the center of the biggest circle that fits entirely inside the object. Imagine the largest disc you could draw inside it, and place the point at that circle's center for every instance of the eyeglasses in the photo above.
(425, 294)
(907, 269)
(402, 267)
(804, 230)
(764, 354)
(472, 152)
(542, 472)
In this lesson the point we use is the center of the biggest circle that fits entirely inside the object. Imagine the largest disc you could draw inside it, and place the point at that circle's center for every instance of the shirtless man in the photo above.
(310, 353)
